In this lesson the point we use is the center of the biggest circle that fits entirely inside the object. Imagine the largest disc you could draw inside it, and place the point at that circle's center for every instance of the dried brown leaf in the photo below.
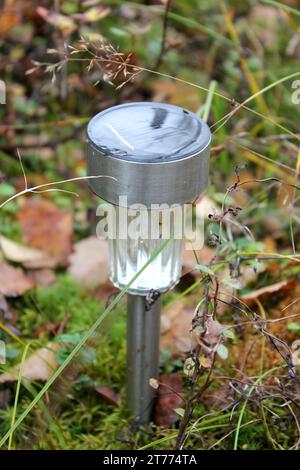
(39, 366)
(88, 263)
(13, 281)
(109, 395)
(286, 286)
(25, 255)
(168, 400)
(46, 227)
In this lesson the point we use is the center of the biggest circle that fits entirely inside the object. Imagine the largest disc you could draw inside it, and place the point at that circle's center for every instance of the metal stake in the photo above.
(143, 330)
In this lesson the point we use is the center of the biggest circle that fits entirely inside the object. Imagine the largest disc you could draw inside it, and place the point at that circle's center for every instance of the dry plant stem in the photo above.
(239, 184)
(189, 403)
(171, 389)
(231, 432)
(164, 36)
(264, 157)
(296, 420)
(197, 396)
(293, 204)
(37, 188)
(215, 299)
(192, 391)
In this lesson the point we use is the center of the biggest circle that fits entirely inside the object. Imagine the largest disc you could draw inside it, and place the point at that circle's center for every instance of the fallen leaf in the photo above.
(46, 227)
(205, 255)
(39, 366)
(271, 289)
(165, 324)
(175, 93)
(177, 319)
(25, 255)
(10, 16)
(109, 395)
(88, 263)
(13, 281)
(47, 328)
(42, 277)
(168, 400)
(218, 398)
(104, 292)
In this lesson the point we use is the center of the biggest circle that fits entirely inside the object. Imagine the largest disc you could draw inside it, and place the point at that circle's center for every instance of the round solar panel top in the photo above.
(148, 132)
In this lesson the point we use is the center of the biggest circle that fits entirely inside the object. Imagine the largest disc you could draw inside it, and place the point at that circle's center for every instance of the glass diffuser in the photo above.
(128, 255)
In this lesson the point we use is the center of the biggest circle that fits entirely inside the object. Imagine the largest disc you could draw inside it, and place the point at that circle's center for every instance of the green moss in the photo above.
(54, 303)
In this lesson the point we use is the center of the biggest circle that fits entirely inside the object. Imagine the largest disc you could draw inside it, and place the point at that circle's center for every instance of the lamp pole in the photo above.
(143, 331)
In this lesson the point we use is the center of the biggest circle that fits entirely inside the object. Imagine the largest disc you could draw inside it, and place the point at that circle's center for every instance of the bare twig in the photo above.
(164, 36)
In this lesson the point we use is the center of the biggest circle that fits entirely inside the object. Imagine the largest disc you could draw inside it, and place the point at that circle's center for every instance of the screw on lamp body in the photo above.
(157, 155)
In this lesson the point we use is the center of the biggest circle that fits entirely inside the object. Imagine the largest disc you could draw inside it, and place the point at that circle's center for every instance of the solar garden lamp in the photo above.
(157, 157)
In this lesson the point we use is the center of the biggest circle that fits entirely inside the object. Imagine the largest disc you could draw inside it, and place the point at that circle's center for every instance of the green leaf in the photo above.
(199, 329)
(180, 412)
(7, 190)
(11, 353)
(248, 245)
(222, 351)
(69, 338)
(205, 269)
(88, 355)
(228, 333)
(61, 355)
(219, 198)
(294, 327)
(119, 32)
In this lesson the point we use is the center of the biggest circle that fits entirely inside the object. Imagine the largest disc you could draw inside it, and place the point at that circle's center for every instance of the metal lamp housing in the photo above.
(155, 154)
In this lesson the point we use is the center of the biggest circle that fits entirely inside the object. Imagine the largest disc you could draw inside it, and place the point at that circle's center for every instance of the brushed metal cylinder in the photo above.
(176, 179)
(143, 332)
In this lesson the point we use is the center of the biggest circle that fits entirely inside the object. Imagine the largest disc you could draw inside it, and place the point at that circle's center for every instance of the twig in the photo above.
(190, 400)
(233, 430)
(164, 36)
(34, 188)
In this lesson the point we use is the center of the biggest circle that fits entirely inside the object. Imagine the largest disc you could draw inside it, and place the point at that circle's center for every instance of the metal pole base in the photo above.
(143, 330)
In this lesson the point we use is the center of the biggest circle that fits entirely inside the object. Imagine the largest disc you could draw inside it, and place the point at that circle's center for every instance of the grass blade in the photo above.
(18, 392)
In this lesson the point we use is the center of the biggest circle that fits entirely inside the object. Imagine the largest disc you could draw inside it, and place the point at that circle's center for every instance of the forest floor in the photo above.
(231, 378)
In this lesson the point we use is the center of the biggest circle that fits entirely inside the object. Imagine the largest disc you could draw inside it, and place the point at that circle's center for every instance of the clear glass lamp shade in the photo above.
(128, 256)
